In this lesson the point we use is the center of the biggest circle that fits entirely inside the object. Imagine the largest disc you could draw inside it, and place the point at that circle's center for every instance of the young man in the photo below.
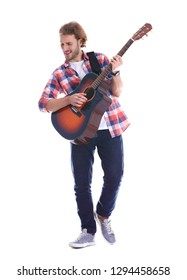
(108, 139)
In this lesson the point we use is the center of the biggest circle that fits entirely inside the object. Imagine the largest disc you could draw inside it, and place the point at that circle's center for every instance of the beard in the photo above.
(73, 55)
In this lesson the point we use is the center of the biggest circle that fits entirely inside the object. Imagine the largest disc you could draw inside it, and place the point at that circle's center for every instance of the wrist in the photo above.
(115, 74)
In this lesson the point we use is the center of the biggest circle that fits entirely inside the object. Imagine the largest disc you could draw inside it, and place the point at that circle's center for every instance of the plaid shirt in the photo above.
(64, 80)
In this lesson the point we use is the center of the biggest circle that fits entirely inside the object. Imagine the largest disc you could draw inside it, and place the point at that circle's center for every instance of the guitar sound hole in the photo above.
(89, 93)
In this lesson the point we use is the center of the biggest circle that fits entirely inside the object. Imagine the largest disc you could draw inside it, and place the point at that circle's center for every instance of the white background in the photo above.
(38, 210)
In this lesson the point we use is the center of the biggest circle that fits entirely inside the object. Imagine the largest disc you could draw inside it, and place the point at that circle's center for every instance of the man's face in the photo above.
(71, 47)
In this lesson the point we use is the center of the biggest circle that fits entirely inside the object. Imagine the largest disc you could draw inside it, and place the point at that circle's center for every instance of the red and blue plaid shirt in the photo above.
(64, 80)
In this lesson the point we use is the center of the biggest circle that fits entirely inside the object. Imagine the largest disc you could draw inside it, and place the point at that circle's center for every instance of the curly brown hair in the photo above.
(74, 28)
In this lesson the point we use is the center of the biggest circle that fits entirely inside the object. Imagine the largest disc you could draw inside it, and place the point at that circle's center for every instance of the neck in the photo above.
(78, 58)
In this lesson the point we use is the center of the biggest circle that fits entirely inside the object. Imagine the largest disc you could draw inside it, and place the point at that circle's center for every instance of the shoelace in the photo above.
(107, 224)
(82, 234)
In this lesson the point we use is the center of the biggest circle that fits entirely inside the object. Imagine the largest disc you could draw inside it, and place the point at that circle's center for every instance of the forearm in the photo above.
(116, 86)
(76, 99)
(56, 104)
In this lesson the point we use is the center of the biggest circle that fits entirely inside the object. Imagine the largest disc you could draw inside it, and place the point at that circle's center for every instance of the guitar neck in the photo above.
(108, 69)
(125, 47)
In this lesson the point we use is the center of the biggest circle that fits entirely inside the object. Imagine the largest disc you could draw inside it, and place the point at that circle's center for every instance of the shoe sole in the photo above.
(78, 246)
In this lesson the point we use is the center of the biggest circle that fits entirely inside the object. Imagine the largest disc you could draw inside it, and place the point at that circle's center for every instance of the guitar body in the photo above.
(80, 125)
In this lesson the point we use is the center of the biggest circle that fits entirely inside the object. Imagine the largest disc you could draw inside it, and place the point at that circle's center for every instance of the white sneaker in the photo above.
(84, 239)
(106, 229)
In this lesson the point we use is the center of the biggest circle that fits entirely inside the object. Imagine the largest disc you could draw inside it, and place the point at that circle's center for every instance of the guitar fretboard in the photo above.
(108, 69)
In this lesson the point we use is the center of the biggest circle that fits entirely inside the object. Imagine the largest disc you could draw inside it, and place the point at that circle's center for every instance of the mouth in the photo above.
(67, 54)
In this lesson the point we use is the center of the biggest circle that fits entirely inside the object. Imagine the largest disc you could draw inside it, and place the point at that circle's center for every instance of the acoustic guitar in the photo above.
(80, 124)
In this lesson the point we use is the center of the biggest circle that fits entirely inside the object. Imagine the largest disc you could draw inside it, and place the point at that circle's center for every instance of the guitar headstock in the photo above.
(142, 31)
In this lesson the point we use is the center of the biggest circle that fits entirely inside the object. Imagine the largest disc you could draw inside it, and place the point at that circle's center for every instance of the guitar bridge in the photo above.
(76, 111)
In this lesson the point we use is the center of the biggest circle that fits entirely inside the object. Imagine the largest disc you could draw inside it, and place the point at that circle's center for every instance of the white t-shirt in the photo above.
(77, 66)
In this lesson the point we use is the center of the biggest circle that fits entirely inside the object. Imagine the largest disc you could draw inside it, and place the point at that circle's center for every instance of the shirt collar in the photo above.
(84, 56)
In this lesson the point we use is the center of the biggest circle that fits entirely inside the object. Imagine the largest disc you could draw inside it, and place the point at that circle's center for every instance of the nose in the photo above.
(65, 48)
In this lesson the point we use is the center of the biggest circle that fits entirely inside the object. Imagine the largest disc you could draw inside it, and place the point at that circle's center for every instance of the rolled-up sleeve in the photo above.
(51, 90)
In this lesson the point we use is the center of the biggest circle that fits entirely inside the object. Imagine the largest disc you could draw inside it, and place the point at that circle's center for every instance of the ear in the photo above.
(81, 42)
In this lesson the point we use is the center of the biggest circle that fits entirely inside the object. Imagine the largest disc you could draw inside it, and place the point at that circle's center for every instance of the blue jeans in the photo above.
(110, 151)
